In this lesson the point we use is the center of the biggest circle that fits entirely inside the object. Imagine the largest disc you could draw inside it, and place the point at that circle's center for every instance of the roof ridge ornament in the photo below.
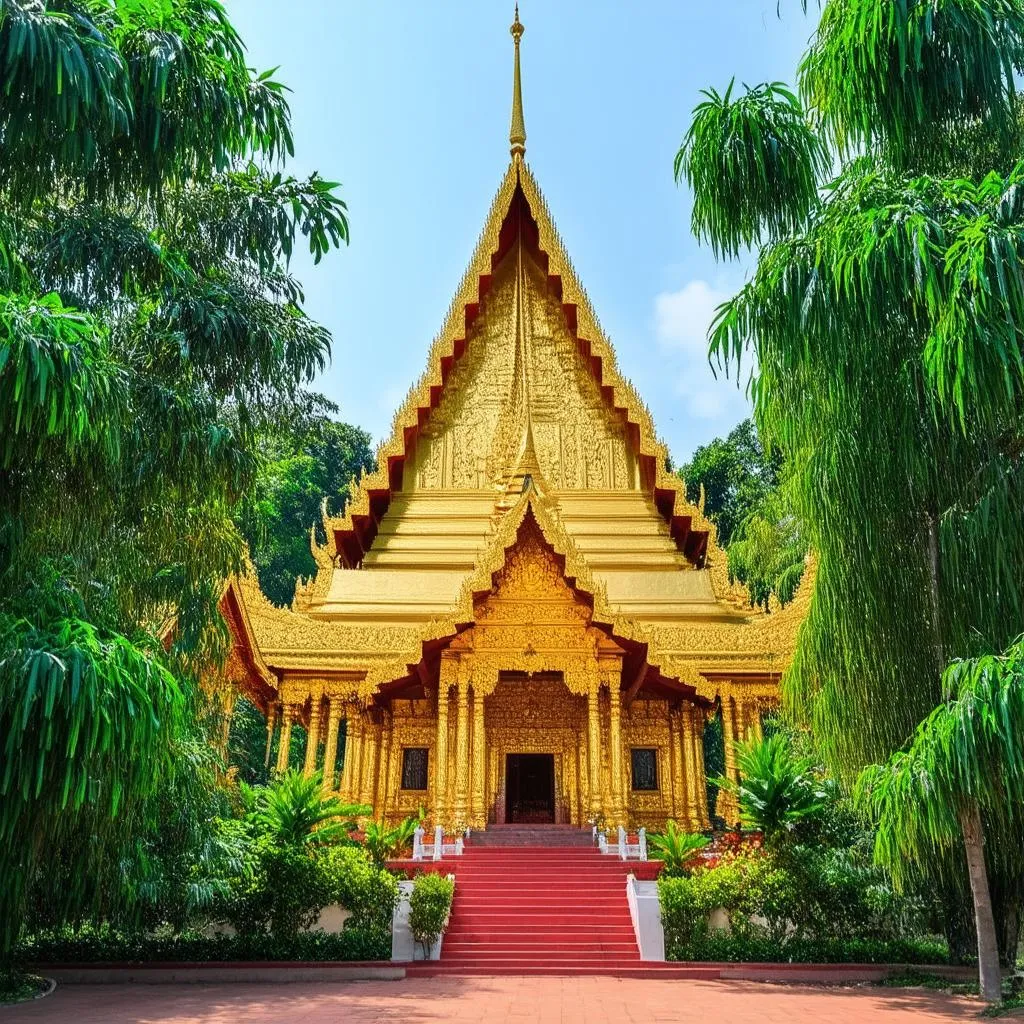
(517, 133)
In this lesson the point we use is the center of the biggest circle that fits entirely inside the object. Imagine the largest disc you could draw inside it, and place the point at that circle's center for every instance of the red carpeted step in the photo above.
(540, 900)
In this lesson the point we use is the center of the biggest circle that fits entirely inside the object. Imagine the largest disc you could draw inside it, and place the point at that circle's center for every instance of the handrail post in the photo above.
(642, 836)
(622, 843)
(438, 841)
(417, 844)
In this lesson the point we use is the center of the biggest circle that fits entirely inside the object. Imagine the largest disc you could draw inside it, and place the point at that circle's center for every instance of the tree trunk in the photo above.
(988, 948)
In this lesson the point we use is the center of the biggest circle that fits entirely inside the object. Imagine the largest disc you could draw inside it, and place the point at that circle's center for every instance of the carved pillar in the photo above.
(462, 753)
(441, 752)
(685, 773)
(371, 746)
(479, 814)
(696, 775)
(384, 765)
(354, 754)
(331, 743)
(312, 737)
(284, 743)
(583, 776)
(618, 807)
(755, 730)
(728, 807)
(271, 722)
(680, 802)
(594, 747)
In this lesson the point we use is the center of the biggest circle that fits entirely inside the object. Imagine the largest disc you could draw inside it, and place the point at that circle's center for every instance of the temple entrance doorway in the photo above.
(530, 788)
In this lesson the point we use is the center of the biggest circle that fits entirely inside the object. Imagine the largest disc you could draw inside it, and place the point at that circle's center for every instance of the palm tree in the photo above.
(778, 789)
(294, 810)
(964, 766)
(676, 849)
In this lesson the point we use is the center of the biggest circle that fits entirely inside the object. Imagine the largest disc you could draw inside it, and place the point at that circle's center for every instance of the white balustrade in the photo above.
(438, 849)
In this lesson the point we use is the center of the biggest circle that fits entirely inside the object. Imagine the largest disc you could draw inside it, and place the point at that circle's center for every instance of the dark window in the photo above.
(645, 768)
(414, 768)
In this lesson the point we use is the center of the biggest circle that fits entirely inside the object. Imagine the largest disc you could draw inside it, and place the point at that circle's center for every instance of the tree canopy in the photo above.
(304, 463)
(884, 314)
(746, 496)
(149, 330)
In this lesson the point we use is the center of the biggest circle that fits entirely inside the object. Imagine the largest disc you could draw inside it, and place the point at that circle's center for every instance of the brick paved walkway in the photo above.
(493, 1001)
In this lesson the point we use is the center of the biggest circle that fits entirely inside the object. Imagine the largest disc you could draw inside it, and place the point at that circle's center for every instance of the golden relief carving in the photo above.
(473, 438)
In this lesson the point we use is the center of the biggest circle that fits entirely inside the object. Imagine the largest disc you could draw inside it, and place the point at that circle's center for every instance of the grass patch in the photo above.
(17, 985)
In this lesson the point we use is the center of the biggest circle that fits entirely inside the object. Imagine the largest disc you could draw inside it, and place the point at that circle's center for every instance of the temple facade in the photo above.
(519, 617)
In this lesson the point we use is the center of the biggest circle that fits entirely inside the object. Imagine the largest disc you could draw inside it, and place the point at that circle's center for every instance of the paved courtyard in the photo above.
(491, 1001)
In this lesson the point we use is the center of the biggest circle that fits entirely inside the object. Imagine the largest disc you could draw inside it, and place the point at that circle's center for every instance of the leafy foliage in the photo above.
(149, 330)
(98, 945)
(969, 750)
(752, 163)
(360, 886)
(778, 788)
(678, 851)
(746, 496)
(736, 475)
(293, 810)
(885, 328)
(302, 460)
(383, 843)
(429, 907)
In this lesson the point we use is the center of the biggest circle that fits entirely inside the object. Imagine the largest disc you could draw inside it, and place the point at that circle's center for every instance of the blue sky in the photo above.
(408, 106)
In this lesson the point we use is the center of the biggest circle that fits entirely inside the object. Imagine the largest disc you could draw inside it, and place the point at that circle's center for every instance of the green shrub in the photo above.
(97, 945)
(429, 907)
(678, 851)
(761, 948)
(369, 892)
(384, 843)
(282, 891)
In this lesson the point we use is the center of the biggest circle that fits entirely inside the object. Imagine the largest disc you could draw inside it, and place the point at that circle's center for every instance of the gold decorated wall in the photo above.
(472, 439)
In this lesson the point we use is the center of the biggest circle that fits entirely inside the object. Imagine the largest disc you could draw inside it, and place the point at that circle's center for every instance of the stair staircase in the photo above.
(541, 900)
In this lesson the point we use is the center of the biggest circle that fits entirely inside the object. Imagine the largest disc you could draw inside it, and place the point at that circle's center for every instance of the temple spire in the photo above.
(517, 133)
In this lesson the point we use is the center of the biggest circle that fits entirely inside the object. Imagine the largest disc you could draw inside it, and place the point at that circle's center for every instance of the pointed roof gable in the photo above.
(351, 535)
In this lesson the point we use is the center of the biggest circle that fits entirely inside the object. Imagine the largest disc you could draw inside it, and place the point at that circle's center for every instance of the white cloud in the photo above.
(681, 321)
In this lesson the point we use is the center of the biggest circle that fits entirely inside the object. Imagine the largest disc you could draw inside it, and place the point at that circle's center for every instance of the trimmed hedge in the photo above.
(723, 947)
(103, 945)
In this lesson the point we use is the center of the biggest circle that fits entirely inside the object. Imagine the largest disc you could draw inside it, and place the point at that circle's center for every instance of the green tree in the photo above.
(736, 474)
(965, 759)
(149, 330)
(747, 498)
(305, 462)
(887, 215)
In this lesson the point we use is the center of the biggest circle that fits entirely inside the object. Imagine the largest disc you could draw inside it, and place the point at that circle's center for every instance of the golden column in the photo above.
(677, 769)
(441, 752)
(331, 743)
(312, 737)
(352, 770)
(727, 806)
(371, 745)
(284, 743)
(384, 763)
(271, 722)
(479, 815)
(462, 753)
(687, 775)
(582, 775)
(694, 724)
(615, 741)
(594, 747)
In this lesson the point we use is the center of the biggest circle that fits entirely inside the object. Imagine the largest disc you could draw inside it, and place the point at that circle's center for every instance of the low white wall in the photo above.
(645, 912)
(403, 946)
(332, 919)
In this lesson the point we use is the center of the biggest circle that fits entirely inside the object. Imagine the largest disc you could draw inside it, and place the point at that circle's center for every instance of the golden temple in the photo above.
(519, 617)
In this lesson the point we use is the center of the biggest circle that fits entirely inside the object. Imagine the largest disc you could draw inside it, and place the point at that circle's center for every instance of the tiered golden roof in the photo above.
(521, 414)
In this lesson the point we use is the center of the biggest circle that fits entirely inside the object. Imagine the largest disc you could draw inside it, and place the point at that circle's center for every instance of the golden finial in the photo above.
(517, 134)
